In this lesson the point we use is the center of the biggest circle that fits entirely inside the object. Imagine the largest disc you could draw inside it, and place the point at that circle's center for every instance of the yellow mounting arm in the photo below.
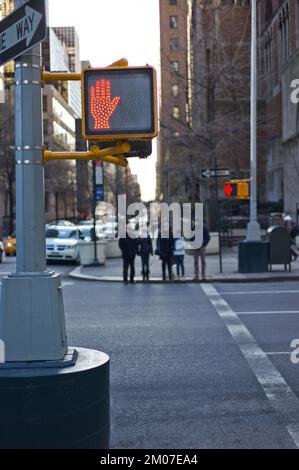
(64, 76)
(110, 155)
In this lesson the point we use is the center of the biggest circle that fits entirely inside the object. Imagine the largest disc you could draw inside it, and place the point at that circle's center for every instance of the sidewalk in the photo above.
(112, 271)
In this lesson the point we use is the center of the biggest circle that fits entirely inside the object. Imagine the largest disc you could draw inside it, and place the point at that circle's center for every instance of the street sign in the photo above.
(99, 173)
(212, 172)
(100, 196)
(119, 103)
(22, 29)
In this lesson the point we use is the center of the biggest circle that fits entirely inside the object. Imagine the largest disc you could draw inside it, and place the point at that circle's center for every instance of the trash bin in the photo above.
(279, 247)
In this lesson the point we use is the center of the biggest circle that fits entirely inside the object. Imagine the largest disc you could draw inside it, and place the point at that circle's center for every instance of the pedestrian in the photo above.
(200, 253)
(179, 254)
(145, 250)
(129, 248)
(165, 246)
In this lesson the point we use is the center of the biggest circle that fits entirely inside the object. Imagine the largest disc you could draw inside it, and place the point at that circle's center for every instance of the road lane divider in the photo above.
(280, 395)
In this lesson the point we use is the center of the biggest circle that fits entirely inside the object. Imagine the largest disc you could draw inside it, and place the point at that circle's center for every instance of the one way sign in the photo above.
(218, 172)
(22, 29)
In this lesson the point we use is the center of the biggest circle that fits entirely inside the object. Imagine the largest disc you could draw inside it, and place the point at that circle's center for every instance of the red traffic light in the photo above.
(231, 189)
(228, 189)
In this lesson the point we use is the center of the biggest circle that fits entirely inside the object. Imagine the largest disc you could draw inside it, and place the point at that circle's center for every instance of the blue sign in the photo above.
(100, 192)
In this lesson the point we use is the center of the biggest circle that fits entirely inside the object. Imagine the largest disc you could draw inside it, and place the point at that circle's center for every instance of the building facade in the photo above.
(174, 98)
(278, 29)
(69, 37)
(205, 93)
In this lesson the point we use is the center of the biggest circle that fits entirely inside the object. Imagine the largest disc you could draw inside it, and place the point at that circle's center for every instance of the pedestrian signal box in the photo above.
(119, 103)
(237, 189)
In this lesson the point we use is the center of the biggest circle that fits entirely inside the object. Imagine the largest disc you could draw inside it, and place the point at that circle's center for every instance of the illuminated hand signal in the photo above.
(101, 106)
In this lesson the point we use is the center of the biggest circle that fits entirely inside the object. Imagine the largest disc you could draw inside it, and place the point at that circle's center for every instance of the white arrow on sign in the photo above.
(208, 173)
(25, 28)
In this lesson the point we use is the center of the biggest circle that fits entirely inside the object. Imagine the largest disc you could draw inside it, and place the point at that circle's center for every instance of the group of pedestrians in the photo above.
(171, 251)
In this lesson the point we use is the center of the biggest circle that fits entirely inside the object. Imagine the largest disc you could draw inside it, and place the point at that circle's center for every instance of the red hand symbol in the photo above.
(101, 106)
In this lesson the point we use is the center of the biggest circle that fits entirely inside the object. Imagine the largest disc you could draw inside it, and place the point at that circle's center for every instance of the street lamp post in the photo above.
(253, 228)
(253, 252)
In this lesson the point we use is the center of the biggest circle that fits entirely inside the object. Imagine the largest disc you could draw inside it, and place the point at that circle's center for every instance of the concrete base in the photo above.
(57, 408)
(32, 323)
(253, 257)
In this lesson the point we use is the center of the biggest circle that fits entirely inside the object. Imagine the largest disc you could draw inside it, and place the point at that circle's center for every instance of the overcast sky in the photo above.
(109, 30)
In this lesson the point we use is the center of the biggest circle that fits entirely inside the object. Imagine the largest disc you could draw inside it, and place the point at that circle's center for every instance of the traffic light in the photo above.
(119, 103)
(230, 189)
(237, 189)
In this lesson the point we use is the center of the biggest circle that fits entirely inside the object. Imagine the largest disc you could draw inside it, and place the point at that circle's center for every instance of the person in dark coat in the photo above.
(165, 247)
(129, 248)
(200, 253)
(145, 250)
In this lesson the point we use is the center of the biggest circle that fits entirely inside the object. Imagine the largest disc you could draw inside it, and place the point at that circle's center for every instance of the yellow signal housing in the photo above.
(239, 189)
(244, 189)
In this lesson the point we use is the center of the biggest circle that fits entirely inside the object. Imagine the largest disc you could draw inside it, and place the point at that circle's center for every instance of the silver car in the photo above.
(62, 243)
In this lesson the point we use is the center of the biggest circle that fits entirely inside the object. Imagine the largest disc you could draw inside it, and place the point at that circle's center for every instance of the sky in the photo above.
(110, 30)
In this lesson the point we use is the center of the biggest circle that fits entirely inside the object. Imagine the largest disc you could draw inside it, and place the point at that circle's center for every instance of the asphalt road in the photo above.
(192, 366)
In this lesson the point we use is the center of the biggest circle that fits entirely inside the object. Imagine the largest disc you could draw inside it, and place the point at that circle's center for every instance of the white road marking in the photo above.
(269, 312)
(254, 292)
(67, 283)
(278, 392)
(277, 353)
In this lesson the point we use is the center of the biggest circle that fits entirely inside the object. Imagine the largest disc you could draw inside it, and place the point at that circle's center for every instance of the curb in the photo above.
(76, 274)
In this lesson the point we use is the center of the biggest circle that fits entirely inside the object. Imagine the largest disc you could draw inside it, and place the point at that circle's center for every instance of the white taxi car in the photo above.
(62, 243)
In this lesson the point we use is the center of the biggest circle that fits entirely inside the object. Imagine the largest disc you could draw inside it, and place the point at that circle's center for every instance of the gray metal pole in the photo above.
(30, 211)
(32, 324)
(253, 228)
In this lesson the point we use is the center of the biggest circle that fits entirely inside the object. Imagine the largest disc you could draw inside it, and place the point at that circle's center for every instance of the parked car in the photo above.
(61, 223)
(1, 251)
(10, 246)
(62, 242)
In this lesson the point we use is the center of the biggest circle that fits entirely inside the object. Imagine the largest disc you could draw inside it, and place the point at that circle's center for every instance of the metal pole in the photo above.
(218, 214)
(94, 205)
(253, 228)
(32, 324)
(30, 211)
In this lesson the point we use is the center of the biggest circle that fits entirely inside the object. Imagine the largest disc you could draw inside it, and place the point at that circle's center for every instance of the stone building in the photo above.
(278, 29)
(205, 96)
(174, 111)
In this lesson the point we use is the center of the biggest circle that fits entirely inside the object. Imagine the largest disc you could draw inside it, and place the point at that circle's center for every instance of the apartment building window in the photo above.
(174, 66)
(268, 58)
(174, 44)
(176, 112)
(284, 27)
(173, 22)
(173, 2)
(175, 90)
